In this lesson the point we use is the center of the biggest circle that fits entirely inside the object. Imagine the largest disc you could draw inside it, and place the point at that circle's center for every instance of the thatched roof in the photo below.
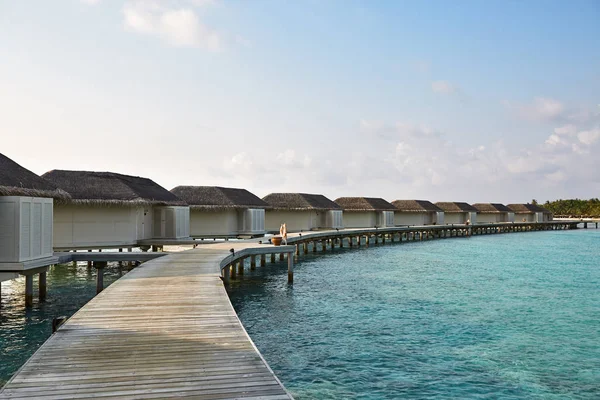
(491, 208)
(300, 201)
(214, 197)
(455, 207)
(421, 206)
(109, 188)
(364, 204)
(527, 208)
(16, 180)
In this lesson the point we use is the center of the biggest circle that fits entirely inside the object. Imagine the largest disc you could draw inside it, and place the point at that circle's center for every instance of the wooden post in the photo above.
(324, 245)
(120, 262)
(305, 247)
(280, 256)
(129, 263)
(297, 249)
(252, 263)
(240, 266)
(226, 274)
(341, 242)
(89, 263)
(28, 290)
(272, 257)
(314, 244)
(367, 240)
(99, 265)
(43, 287)
(263, 260)
(290, 269)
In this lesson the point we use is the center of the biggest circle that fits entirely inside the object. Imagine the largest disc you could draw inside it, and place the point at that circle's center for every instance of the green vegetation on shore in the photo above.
(574, 207)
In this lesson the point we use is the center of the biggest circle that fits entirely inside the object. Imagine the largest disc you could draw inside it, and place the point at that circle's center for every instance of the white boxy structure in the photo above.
(417, 213)
(458, 213)
(110, 210)
(302, 212)
(493, 213)
(530, 213)
(223, 212)
(366, 212)
(26, 209)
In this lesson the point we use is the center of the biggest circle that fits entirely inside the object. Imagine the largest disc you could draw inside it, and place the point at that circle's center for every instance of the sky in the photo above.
(476, 101)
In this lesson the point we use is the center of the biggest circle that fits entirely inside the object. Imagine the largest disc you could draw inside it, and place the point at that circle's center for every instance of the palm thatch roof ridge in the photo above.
(527, 208)
(416, 206)
(455, 207)
(216, 197)
(110, 188)
(491, 208)
(16, 180)
(364, 204)
(300, 201)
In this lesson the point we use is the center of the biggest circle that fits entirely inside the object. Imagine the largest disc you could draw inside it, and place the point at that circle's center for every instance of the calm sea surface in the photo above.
(23, 330)
(514, 316)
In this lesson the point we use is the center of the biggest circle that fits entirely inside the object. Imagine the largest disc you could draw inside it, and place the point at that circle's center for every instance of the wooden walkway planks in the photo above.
(166, 329)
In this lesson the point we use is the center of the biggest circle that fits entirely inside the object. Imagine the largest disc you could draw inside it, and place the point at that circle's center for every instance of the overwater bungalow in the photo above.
(26, 210)
(109, 210)
(302, 212)
(417, 212)
(530, 213)
(492, 213)
(366, 212)
(223, 212)
(458, 213)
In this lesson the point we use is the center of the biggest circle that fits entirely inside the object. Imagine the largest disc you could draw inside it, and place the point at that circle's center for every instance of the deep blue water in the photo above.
(23, 330)
(513, 316)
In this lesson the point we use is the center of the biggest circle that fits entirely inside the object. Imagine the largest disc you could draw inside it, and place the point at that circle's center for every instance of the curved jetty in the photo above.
(166, 329)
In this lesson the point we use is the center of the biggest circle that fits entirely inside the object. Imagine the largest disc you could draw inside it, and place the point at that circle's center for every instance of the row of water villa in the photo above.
(102, 210)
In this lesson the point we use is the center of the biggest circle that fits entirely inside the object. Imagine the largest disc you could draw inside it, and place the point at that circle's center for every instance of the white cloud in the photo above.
(176, 25)
(443, 87)
(541, 109)
(589, 137)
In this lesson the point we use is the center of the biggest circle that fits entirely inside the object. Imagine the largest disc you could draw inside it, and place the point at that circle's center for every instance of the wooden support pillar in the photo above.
(89, 263)
(350, 241)
(232, 271)
(297, 249)
(383, 238)
(280, 256)
(240, 266)
(290, 269)
(226, 274)
(129, 263)
(324, 245)
(28, 290)
(99, 265)
(120, 262)
(252, 263)
(272, 257)
(367, 240)
(263, 260)
(43, 287)
(341, 242)
(305, 247)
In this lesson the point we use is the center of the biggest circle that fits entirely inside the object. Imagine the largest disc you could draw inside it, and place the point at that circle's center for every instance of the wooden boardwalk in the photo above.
(167, 329)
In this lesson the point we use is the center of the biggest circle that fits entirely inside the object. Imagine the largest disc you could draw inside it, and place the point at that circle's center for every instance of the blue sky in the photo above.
(464, 101)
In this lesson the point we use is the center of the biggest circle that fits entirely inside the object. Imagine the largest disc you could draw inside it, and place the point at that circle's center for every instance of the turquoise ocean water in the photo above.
(23, 330)
(514, 316)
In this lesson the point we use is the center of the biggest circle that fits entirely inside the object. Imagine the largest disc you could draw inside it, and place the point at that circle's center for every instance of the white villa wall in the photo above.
(84, 226)
(489, 218)
(360, 219)
(455, 218)
(295, 220)
(413, 218)
(334, 219)
(439, 218)
(524, 217)
(213, 223)
(25, 228)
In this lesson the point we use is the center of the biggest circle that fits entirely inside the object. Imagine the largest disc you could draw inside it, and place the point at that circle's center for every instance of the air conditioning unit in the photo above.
(25, 228)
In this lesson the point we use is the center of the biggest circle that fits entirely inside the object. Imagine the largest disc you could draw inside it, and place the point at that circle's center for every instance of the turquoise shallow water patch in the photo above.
(513, 316)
